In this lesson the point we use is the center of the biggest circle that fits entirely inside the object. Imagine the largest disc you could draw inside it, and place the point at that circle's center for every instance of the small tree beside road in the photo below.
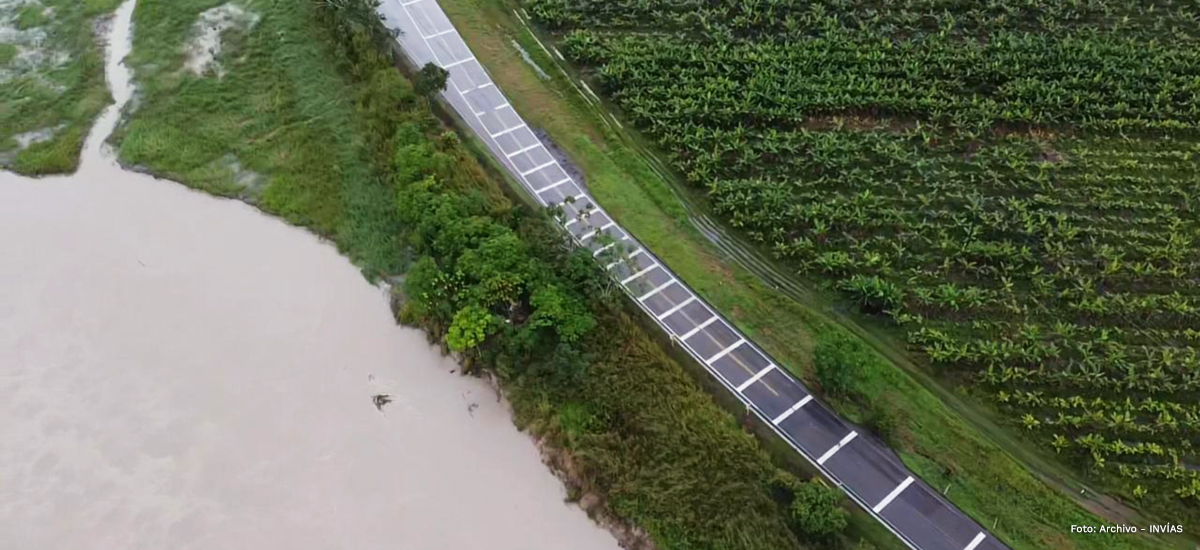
(431, 80)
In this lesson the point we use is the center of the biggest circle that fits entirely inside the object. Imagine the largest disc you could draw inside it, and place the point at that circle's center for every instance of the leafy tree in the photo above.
(431, 80)
(554, 308)
(470, 328)
(352, 19)
(426, 288)
(502, 266)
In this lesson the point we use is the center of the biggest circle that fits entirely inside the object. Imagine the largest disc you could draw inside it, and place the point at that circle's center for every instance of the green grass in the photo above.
(7, 53)
(985, 481)
(46, 95)
(278, 129)
(31, 16)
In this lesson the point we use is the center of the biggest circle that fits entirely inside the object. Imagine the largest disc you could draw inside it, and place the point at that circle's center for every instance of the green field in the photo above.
(1014, 185)
(51, 82)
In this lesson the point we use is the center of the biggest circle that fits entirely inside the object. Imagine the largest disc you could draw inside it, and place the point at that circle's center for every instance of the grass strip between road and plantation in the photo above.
(979, 476)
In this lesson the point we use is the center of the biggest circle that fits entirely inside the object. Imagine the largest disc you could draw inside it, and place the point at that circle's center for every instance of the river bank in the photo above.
(181, 371)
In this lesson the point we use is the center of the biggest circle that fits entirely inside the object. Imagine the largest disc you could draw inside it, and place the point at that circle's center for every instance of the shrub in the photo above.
(816, 510)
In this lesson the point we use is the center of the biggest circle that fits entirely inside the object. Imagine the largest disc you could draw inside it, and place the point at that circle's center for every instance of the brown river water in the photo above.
(179, 371)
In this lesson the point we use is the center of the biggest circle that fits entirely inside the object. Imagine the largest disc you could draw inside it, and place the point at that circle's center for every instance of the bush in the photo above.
(816, 511)
(884, 421)
(842, 365)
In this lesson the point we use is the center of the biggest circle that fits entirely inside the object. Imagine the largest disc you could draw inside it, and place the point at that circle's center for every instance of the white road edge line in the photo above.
(892, 495)
(507, 130)
(633, 277)
(726, 351)
(756, 377)
(976, 541)
(656, 290)
(699, 328)
(677, 307)
(829, 454)
(783, 416)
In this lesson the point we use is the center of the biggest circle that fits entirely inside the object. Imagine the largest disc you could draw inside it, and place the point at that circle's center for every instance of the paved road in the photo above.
(865, 468)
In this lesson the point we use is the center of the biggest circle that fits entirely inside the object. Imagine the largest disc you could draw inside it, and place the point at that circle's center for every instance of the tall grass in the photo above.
(278, 129)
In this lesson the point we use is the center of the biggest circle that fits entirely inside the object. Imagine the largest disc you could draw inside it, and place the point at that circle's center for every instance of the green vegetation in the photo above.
(278, 128)
(947, 441)
(845, 369)
(814, 508)
(1014, 184)
(339, 141)
(430, 80)
(51, 82)
(499, 284)
(8, 52)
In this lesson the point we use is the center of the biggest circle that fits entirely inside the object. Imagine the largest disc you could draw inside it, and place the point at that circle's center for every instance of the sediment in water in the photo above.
(182, 371)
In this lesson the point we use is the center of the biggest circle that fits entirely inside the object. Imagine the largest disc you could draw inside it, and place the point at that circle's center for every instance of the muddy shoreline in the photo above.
(182, 371)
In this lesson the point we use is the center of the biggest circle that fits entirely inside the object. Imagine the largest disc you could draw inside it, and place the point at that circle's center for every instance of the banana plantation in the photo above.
(1014, 183)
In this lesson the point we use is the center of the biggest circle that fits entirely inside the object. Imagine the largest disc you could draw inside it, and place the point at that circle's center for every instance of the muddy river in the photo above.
(179, 371)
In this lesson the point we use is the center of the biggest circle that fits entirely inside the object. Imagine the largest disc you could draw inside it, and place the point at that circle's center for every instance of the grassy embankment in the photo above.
(51, 82)
(277, 129)
(981, 477)
(308, 122)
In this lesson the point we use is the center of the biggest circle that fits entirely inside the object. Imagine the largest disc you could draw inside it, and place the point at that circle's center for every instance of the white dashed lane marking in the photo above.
(459, 62)
(699, 328)
(892, 495)
(635, 276)
(726, 351)
(783, 416)
(506, 131)
(524, 150)
(829, 454)
(975, 542)
(677, 307)
(657, 289)
(755, 378)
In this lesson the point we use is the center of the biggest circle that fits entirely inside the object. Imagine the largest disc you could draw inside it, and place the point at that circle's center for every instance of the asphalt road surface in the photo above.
(857, 462)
